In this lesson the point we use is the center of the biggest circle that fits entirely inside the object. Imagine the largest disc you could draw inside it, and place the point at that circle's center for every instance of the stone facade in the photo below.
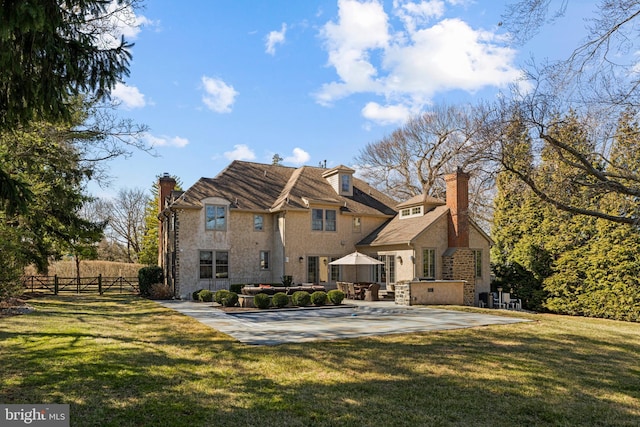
(459, 264)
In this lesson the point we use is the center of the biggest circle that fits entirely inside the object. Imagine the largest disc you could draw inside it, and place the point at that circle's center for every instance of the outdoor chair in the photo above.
(371, 293)
(496, 301)
(351, 294)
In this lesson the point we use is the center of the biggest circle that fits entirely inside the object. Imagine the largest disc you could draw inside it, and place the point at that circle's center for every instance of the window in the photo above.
(357, 224)
(264, 260)
(221, 264)
(216, 217)
(323, 220)
(330, 224)
(429, 263)
(206, 264)
(411, 212)
(335, 271)
(258, 223)
(316, 219)
(345, 181)
(477, 259)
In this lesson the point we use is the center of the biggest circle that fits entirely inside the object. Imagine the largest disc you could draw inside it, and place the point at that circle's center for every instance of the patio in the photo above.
(358, 319)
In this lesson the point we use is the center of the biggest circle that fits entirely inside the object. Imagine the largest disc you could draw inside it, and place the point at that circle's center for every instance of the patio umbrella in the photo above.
(356, 258)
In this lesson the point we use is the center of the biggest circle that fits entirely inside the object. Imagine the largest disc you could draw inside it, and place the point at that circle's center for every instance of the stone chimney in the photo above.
(166, 185)
(458, 204)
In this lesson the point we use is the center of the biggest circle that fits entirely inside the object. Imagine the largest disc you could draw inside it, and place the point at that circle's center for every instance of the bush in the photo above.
(287, 281)
(319, 298)
(262, 301)
(230, 299)
(147, 277)
(280, 299)
(236, 287)
(205, 295)
(301, 298)
(194, 295)
(220, 295)
(335, 296)
(160, 291)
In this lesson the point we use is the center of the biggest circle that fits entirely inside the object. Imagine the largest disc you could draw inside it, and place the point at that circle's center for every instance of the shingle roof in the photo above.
(405, 230)
(264, 187)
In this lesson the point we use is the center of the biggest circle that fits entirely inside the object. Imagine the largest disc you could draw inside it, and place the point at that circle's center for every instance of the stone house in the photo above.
(256, 223)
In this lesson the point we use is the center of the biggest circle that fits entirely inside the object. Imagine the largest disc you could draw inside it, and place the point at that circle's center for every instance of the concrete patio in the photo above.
(350, 320)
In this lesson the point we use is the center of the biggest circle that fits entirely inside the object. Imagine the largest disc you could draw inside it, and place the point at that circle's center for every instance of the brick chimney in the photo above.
(166, 185)
(458, 204)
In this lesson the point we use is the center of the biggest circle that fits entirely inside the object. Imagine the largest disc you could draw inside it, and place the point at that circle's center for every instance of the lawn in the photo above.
(125, 361)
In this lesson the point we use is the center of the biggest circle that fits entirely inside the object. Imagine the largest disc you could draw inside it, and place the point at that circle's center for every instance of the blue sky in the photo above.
(218, 80)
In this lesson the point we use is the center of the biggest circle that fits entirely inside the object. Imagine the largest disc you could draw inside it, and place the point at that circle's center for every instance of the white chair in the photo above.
(497, 302)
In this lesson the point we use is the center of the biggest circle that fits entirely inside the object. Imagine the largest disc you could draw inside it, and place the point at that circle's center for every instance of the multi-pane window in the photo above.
(429, 263)
(323, 219)
(216, 217)
(477, 258)
(345, 183)
(222, 265)
(206, 264)
(330, 224)
(416, 210)
(264, 260)
(405, 212)
(258, 223)
(210, 258)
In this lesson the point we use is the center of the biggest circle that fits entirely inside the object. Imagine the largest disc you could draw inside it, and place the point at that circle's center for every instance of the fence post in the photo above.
(55, 284)
(100, 283)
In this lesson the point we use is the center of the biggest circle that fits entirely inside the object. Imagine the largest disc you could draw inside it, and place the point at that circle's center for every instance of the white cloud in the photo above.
(240, 152)
(407, 65)
(218, 96)
(166, 141)
(386, 115)
(298, 157)
(129, 96)
(275, 38)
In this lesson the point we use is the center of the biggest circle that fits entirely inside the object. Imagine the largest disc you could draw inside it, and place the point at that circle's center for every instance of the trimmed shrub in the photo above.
(236, 287)
(160, 291)
(147, 277)
(205, 295)
(335, 296)
(230, 299)
(194, 295)
(220, 295)
(301, 298)
(280, 299)
(319, 298)
(262, 301)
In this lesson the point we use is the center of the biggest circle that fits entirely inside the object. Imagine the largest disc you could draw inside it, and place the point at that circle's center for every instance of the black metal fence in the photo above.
(99, 284)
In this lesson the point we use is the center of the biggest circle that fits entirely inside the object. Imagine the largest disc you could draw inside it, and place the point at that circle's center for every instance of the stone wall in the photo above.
(431, 292)
(459, 264)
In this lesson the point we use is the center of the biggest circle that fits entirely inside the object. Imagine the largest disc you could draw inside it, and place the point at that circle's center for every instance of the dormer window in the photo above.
(345, 183)
(411, 212)
(341, 179)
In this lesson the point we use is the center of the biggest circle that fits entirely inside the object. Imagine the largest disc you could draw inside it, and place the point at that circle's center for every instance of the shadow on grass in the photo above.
(126, 361)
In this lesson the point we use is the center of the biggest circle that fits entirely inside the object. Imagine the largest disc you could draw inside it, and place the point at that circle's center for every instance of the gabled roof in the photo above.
(264, 187)
(405, 230)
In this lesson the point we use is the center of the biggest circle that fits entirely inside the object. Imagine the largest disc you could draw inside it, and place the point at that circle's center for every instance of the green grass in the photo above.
(124, 361)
